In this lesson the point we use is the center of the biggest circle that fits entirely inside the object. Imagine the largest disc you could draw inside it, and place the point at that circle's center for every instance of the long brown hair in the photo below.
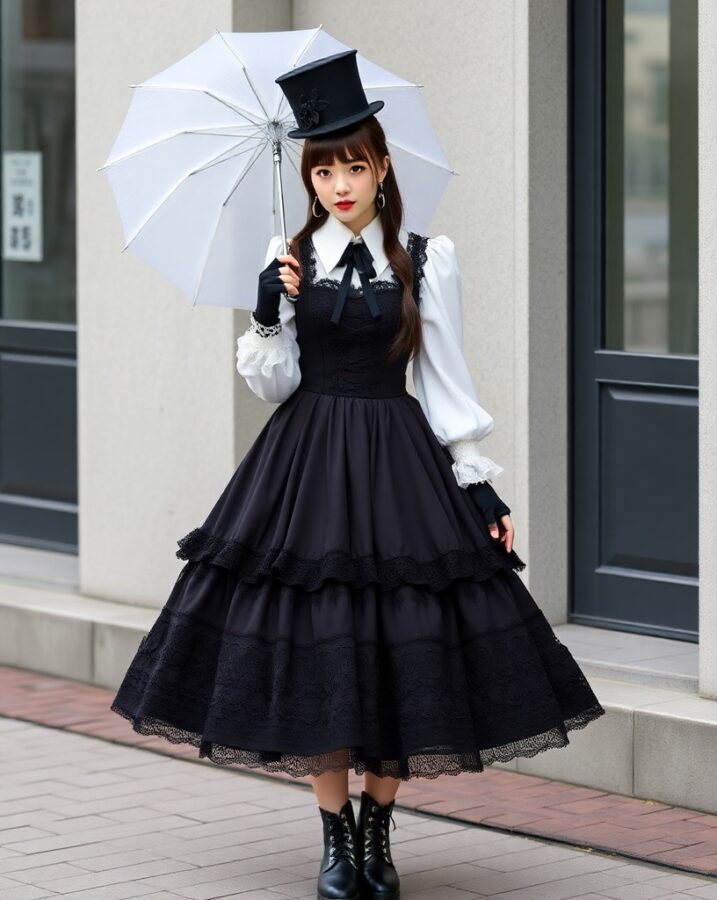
(366, 141)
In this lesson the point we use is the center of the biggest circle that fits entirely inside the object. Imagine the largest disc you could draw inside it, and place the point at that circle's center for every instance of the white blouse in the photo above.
(443, 384)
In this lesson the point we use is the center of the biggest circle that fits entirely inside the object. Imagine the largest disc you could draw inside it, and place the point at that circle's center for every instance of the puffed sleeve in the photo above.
(441, 377)
(270, 365)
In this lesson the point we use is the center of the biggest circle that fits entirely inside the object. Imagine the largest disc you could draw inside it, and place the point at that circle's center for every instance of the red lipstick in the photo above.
(345, 204)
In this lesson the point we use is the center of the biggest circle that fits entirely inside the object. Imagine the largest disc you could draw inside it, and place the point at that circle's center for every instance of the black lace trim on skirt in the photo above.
(253, 565)
(416, 708)
(429, 763)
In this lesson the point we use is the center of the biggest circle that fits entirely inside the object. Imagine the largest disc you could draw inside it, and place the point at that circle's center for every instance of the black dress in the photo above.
(344, 605)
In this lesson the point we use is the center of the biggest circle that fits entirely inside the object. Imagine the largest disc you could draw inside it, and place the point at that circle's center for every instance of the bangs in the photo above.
(344, 147)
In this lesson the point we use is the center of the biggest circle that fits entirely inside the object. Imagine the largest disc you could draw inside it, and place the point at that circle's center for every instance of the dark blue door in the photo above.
(633, 208)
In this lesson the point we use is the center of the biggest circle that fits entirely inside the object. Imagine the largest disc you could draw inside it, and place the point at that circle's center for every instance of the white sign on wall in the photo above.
(22, 205)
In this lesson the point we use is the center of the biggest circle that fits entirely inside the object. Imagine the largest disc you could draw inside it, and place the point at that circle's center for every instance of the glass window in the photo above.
(651, 176)
(37, 99)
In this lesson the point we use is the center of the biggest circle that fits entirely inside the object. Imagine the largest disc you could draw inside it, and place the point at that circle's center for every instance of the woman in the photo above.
(351, 600)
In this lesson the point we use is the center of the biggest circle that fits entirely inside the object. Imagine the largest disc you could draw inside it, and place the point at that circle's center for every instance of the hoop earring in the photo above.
(380, 197)
(313, 208)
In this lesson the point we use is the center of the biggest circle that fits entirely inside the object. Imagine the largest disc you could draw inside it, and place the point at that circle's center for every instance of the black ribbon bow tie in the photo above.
(356, 256)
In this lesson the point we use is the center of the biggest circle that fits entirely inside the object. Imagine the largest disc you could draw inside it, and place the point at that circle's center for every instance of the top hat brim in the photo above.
(372, 108)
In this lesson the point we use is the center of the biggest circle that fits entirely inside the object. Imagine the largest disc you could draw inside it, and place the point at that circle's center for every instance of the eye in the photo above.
(359, 167)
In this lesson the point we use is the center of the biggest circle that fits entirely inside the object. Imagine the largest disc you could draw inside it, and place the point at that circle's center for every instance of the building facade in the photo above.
(584, 214)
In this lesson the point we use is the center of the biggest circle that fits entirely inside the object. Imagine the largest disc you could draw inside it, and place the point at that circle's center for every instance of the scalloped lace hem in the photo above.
(254, 565)
(430, 762)
(470, 471)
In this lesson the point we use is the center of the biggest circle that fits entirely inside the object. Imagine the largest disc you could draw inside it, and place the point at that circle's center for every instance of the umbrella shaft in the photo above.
(277, 167)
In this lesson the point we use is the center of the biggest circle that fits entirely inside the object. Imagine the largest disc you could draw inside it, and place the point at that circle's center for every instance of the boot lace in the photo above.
(379, 831)
(341, 842)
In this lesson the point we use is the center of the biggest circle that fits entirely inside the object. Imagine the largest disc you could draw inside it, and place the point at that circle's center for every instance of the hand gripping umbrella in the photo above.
(196, 168)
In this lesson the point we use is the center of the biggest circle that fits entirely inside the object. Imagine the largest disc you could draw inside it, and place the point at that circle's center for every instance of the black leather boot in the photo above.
(338, 875)
(378, 878)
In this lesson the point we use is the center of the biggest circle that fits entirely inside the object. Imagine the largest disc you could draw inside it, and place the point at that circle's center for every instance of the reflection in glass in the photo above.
(651, 176)
(37, 83)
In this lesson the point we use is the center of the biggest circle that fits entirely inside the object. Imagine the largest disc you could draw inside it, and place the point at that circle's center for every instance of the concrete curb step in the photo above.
(671, 681)
(654, 742)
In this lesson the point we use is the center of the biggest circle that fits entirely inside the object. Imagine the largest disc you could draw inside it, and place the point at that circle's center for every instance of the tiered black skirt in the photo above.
(344, 606)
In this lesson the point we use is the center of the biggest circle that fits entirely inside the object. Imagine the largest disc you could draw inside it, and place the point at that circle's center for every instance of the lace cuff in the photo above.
(262, 329)
(269, 364)
(469, 466)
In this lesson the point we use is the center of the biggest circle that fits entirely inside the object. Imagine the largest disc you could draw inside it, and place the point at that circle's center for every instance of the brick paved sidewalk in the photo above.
(88, 819)
(502, 800)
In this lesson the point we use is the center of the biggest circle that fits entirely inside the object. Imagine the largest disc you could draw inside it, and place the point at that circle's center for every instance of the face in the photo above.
(353, 183)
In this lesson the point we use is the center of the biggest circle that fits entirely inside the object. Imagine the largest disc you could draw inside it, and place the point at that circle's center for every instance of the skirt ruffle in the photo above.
(349, 489)
(403, 683)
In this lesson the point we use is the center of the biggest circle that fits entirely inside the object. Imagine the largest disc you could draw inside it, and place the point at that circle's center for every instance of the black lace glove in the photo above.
(489, 503)
(269, 292)
(492, 508)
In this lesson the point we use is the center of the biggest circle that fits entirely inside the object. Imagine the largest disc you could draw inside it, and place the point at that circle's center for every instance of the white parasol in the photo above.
(203, 173)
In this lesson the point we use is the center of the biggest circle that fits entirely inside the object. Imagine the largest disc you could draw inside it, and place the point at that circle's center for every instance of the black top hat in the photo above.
(326, 95)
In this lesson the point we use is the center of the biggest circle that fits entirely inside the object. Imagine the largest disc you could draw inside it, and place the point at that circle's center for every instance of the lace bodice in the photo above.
(274, 366)
(350, 357)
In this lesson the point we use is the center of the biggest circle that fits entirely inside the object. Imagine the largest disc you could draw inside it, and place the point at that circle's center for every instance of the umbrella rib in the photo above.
(218, 162)
(295, 142)
(216, 226)
(256, 135)
(161, 203)
(245, 70)
(169, 137)
(296, 149)
(388, 87)
(206, 129)
(245, 114)
(243, 174)
(310, 40)
(293, 164)
(291, 146)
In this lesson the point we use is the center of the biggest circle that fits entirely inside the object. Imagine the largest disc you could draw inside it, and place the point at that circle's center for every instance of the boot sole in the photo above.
(321, 896)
